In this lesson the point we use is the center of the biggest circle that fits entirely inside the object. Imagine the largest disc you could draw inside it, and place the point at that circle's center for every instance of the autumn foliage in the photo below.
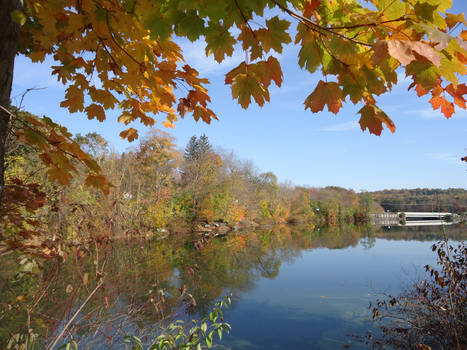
(125, 53)
(154, 188)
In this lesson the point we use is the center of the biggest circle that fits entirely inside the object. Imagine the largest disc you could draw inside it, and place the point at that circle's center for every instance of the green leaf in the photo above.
(18, 17)
(449, 68)
(219, 42)
(424, 73)
(209, 339)
(158, 27)
(392, 8)
(190, 26)
(276, 35)
(344, 50)
(442, 5)
(425, 10)
(33, 137)
(310, 55)
(351, 87)
(245, 86)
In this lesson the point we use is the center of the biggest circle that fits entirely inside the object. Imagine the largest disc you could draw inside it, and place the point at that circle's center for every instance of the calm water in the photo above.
(292, 289)
(323, 295)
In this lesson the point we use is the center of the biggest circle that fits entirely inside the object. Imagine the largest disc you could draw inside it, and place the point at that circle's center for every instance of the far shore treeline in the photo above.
(158, 189)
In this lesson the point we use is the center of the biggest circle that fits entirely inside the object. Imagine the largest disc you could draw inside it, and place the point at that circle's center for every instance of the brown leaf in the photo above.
(403, 51)
(95, 111)
(329, 94)
(98, 181)
(380, 51)
(129, 134)
(372, 118)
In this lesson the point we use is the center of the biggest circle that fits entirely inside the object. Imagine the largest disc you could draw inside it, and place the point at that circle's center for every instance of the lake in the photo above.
(291, 288)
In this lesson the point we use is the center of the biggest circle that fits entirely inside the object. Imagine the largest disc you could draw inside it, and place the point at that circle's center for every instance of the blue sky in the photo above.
(307, 149)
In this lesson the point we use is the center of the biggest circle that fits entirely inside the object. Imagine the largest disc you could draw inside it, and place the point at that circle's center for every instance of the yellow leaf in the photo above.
(21, 298)
(168, 124)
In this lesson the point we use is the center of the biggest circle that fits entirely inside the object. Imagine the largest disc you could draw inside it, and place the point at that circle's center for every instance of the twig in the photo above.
(57, 338)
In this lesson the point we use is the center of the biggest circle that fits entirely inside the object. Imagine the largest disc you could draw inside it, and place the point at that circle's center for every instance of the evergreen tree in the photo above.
(204, 146)
(191, 149)
(197, 148)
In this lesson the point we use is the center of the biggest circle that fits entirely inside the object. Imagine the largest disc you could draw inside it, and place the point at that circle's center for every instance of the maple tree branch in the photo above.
(316, 27)
(108, 53)
(244, 39)
(115, 41)
(54, 144)
(372, 24)
(399, 31)
(332, 55)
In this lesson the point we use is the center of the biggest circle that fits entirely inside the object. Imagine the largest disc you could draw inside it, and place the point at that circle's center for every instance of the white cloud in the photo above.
(195, 55)
(428, 113)
(342, 126)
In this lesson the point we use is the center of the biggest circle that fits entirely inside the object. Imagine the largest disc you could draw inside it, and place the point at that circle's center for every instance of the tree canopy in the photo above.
(124, 53)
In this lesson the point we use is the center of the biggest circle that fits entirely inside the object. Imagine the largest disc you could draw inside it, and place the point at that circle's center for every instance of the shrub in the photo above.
(433, 313)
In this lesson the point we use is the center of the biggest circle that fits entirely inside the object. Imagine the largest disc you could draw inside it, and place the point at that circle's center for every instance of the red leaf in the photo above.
(310, 6)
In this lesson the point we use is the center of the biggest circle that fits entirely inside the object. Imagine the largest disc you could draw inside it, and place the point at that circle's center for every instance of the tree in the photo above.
(204, 145)
(198, 172)
(92, 143)
(124, 53)
(191, 149)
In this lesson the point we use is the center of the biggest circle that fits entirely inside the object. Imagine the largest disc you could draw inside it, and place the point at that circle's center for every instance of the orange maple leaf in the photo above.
(458, 94)
(447, 108)
(329, 94)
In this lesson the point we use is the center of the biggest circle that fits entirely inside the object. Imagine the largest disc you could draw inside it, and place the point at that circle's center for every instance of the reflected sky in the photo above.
(293, 288)
(323, 295)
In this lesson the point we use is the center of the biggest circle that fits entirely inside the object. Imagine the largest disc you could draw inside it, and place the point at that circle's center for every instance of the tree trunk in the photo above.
(8, 46)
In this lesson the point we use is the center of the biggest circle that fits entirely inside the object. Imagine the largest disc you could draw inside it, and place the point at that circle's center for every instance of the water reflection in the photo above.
(292, 287)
